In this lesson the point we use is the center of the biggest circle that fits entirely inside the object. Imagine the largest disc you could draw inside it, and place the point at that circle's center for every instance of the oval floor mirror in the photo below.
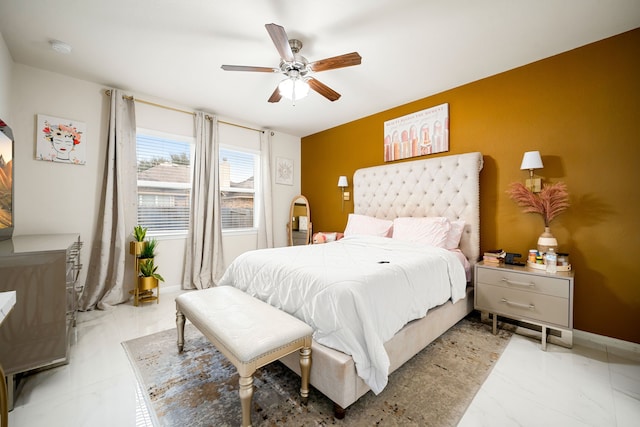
(299, 228)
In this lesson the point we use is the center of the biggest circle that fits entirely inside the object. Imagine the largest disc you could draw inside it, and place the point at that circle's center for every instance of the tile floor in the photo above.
(590, 385)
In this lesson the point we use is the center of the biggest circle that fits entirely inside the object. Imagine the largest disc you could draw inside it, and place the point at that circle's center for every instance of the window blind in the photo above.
(238, 169)
(164, 183)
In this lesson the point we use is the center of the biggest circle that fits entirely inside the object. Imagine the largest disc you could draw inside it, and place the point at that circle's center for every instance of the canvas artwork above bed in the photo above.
(408, 248)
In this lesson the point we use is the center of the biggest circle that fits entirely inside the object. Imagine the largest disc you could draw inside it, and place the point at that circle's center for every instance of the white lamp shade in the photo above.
(293, 88)
(531, 160)
(342, 182)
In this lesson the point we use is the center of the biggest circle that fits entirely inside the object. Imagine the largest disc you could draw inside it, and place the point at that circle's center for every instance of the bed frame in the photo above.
(443, 186)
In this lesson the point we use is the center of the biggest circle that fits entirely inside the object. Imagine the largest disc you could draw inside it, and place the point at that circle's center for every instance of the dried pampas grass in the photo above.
(550, 202)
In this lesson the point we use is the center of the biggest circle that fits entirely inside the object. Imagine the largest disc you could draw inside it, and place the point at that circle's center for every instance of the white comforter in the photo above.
(355, 293)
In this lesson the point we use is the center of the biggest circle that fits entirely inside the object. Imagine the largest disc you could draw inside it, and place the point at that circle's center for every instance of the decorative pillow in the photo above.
(430, 230)
(455, 234)
(368, 225)
(326, 237)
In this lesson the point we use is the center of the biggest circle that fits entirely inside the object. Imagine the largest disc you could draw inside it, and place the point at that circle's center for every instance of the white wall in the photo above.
(53, 197)
(286, 146)
(62, 198)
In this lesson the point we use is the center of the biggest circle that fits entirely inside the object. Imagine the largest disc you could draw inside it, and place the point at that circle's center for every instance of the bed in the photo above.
(346, 364)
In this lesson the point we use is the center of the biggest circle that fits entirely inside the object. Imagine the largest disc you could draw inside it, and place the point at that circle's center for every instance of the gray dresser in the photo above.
(43, 270)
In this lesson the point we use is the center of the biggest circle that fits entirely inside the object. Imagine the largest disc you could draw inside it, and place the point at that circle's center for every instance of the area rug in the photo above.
(199, 387)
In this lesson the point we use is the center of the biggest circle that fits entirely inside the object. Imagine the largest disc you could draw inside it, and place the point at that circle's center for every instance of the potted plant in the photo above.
(148, 252)
(149, 249)
(549, 203)
(148, 278)
(139, 233)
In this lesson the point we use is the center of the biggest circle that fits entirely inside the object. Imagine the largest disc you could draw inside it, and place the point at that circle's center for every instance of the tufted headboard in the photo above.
(443, 186)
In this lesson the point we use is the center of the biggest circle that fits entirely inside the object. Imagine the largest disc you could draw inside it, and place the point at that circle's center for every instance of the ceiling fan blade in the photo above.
(275, 96)
(250, 68)
(323, 89)
(280, 39)
(346, 60)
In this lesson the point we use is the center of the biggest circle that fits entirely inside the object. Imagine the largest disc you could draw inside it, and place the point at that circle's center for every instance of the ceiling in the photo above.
(172, 49)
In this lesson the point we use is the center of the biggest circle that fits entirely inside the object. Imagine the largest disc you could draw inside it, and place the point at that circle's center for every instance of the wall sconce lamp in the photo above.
(532, 160)
(343, 183)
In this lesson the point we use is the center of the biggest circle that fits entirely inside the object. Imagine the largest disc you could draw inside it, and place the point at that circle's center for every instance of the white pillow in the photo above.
(455, 234)
(367, 225)
(432, 231)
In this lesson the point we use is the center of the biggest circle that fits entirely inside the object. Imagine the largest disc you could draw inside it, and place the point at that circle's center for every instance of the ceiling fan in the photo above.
(297, 69)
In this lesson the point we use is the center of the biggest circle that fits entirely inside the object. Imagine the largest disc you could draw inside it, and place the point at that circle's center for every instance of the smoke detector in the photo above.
(60, 47)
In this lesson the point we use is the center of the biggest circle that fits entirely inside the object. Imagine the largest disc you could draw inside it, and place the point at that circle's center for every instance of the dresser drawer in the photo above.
(548, 285)
(522, 305)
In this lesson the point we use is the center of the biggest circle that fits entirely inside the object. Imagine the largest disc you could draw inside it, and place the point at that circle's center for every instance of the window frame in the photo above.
(257, 201)
(168, 234)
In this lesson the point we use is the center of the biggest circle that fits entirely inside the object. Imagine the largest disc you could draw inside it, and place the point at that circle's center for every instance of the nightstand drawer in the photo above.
(522, 305)
(548, 285)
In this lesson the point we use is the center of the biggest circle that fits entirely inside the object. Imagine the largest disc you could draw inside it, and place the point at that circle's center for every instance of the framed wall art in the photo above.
(284, 171)
(60, 140)
(417, 134)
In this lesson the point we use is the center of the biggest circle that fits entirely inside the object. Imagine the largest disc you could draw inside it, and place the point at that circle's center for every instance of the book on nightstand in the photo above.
(494, 257)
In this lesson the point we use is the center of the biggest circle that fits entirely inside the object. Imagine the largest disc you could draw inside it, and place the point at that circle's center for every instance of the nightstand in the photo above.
(531, 296)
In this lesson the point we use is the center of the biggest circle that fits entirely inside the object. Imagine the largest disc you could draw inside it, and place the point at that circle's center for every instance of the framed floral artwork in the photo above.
(60, 140)
(284, 171)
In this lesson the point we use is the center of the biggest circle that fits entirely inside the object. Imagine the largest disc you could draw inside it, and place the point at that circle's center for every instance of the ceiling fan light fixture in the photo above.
(294, 88)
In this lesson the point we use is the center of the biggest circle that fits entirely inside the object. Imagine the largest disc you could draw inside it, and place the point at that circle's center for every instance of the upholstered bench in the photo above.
(249, 332)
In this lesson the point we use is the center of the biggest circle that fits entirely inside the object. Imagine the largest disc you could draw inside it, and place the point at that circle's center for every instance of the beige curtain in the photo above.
(204, 262)
(265, 204)
(106, 283)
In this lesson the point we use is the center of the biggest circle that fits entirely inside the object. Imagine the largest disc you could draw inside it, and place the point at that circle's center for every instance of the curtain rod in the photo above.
(166, 107)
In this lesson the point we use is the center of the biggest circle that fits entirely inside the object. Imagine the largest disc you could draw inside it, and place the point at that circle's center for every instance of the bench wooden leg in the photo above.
(246, 395)
(180, 326)
(305, 369)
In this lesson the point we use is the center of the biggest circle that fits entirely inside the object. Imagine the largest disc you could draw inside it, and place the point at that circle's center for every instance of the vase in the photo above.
(547, 241)
(135, 247)
(144, 290)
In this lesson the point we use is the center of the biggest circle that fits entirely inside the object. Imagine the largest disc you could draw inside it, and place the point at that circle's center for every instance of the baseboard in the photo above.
(588, 338)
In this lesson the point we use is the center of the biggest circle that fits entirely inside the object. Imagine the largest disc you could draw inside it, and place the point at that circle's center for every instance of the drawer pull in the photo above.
(512, 282)
(518, 304)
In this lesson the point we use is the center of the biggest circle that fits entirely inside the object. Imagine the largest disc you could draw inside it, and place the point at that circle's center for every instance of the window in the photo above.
(164, 182)
(238, 171)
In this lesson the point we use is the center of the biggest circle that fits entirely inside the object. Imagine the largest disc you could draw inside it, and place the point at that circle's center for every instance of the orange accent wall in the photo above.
(581, 110)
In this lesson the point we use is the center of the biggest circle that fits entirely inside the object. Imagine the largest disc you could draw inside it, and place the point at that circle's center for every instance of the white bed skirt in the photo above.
(333, 373)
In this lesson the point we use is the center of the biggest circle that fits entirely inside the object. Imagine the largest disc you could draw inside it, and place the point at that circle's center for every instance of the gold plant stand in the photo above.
(143, 288)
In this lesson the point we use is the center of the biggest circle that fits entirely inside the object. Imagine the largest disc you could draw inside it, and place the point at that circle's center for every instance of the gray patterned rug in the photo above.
(199, 387)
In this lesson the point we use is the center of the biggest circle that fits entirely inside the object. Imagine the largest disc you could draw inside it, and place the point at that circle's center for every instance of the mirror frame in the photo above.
(8, 147)
(299, 200)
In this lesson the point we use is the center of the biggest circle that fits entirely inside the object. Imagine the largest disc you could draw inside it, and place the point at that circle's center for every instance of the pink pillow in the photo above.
(455, 234)
(326, 237)
(368, 226)
(432, 231)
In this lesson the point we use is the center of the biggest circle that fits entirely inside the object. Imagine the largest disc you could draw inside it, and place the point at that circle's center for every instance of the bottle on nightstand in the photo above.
(551, 260)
